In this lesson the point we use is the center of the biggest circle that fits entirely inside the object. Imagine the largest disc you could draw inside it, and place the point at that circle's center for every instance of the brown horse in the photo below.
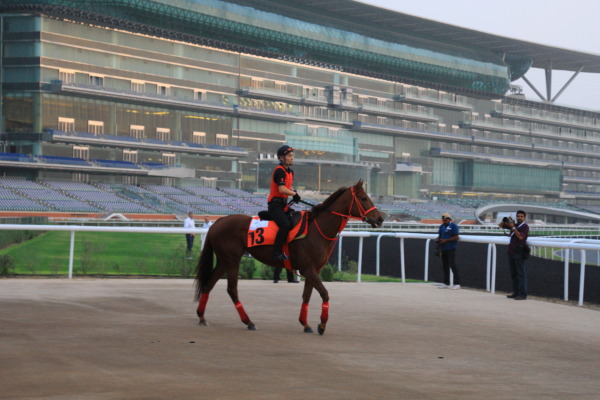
(227, 239)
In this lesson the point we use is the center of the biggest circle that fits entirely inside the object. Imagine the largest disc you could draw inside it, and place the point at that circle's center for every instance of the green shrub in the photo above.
(7, 265)
(327, 273)
(247, 268)
(267, 272)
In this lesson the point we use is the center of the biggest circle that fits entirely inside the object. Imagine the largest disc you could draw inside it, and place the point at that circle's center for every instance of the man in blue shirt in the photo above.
(447, 237)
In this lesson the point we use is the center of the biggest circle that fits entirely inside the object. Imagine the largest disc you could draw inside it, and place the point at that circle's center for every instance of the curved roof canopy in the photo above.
(577, 216)
(382, 22)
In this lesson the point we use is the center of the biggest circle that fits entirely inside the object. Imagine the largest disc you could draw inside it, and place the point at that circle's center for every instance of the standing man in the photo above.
(189, 237)
(447, 238)
(281, 187)
(516, 249)
(207, 222)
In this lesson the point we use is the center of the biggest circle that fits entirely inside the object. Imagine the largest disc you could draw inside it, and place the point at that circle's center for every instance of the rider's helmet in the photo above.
(283, 150)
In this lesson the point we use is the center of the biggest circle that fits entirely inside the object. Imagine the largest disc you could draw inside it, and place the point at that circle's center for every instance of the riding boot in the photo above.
(278, 253)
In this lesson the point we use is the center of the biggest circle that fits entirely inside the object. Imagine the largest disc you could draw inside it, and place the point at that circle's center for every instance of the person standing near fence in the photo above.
(447, 239)
(516, 254)
(189, 237)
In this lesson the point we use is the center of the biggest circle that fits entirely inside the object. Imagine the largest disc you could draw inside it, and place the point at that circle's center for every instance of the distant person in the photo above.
(290, 275)
(189, 237)
(516, 254)
(207, 222)
(447, 239)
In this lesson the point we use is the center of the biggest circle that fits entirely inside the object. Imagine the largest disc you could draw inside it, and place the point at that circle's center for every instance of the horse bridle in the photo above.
(345, 217)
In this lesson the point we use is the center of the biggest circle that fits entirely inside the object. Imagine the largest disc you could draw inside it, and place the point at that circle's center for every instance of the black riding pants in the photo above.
(282, 221)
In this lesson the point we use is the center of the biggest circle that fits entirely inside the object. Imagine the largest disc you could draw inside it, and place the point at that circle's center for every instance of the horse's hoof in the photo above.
(308, 329)
(321, 329)
(251, 327)
(202, 323)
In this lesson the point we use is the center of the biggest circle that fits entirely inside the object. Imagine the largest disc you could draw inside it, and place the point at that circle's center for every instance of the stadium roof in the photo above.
(384, 22)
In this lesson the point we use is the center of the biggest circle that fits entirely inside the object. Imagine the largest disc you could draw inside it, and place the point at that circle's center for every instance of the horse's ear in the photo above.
(359, 183)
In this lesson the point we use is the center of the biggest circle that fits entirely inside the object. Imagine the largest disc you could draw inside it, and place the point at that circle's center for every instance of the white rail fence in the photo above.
(567, 245)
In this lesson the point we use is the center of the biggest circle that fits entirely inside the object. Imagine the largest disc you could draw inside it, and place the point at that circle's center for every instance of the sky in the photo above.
(572, 24)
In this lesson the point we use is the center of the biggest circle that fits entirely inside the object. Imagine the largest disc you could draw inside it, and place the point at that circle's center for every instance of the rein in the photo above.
(345, 217)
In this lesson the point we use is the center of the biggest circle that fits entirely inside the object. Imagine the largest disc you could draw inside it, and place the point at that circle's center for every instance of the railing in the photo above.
(492, 241)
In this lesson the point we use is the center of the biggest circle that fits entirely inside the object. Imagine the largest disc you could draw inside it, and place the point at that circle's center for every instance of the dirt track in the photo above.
(139, 339)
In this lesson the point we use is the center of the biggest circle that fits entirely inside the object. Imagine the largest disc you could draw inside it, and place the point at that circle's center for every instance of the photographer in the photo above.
(516, 253)
(447, 237)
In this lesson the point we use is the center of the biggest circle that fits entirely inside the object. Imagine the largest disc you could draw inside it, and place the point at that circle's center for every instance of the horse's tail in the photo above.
(204, 268)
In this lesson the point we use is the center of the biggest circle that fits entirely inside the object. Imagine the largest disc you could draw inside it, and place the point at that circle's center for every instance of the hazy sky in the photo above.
(572, 24)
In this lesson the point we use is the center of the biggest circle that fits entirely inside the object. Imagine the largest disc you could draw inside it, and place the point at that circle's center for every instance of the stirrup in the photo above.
(280, 257)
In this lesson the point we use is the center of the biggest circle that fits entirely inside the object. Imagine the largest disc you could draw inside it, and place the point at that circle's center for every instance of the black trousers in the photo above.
(190, 241)
(283, 222)
(277, 274)
(448, 263)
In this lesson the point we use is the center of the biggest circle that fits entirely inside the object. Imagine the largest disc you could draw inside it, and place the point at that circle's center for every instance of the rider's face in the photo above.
(288, 159)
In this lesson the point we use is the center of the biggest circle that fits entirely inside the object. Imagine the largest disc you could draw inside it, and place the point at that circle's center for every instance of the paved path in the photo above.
(139, 339)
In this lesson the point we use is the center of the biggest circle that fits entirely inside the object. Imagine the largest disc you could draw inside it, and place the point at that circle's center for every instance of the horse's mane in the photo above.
(317, 209)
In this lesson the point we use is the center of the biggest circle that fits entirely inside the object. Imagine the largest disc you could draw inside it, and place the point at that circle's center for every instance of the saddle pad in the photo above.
(261, 233)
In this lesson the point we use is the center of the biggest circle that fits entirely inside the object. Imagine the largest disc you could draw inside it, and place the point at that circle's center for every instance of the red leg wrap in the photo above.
(324, 312)
(240, 309)
(304, 314)
(202, 304)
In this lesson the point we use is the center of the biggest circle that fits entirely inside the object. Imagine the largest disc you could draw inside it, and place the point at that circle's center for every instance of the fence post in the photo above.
(494, 258)
(426, 267)
(71, 251)
(582, 277)
(566, 279)
(360, 251)
(402, 269)
(340, 253)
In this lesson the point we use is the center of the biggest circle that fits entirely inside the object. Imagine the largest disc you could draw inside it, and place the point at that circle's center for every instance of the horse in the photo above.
(227, 239)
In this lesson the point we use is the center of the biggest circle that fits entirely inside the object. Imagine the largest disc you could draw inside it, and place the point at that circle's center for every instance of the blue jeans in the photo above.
(518, 273)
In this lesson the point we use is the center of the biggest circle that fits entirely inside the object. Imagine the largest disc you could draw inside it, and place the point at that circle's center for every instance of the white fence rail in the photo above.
(537, 242)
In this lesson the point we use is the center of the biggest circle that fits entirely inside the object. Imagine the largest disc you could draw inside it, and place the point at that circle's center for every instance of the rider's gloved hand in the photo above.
(296, 198)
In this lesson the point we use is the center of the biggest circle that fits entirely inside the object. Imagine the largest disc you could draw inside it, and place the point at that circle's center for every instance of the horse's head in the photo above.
(363, 207)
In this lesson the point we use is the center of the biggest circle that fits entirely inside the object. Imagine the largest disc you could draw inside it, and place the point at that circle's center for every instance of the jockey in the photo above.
(281, 188)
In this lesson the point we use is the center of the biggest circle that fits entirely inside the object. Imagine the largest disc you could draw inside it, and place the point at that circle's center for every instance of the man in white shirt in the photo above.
(189, 237)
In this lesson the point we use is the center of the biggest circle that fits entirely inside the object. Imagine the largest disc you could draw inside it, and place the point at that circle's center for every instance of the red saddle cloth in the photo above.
(261, 233)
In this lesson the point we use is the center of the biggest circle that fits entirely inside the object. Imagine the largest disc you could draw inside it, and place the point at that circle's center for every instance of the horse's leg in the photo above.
(308, 288)
(312, 279)
(216, 274)
(232, 281)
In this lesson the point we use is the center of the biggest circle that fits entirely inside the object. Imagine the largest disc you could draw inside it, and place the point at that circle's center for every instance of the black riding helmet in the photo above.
(283, 150)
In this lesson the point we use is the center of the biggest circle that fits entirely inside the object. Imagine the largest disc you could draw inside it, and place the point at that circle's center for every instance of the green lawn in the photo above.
(104, 253)
(110, 253)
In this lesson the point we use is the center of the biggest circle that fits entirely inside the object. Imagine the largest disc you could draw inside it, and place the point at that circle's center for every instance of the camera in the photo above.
(507, 220)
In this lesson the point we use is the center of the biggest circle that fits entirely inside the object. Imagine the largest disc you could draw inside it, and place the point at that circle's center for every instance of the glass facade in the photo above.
(211, 112)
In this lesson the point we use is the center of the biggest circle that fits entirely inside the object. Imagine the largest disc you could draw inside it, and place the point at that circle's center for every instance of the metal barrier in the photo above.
(492, 241)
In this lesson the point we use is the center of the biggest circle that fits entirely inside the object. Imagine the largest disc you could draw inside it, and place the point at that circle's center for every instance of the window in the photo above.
(198, 95)
(163, 134)
(138, 86)
(67, 77)
(168, 159)
(130, 155)
(382, 120)
(82, 152)
(162, 90)
(136, 131)
(66, 124)
(96, 80)
(96, 127)
(363, 117)
(222, 140)
(199, 137)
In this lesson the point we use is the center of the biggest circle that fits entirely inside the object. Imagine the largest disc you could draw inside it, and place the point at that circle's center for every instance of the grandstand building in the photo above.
(201, 93)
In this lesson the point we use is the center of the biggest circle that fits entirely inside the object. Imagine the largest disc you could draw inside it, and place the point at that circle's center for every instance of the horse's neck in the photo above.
(330, 223)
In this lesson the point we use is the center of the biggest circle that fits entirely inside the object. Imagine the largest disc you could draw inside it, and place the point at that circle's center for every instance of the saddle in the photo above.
(262, 229)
